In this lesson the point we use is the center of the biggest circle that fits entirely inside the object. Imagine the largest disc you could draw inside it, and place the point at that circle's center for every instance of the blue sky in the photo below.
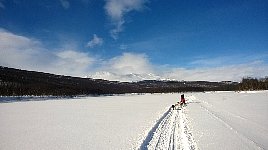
(184, 40)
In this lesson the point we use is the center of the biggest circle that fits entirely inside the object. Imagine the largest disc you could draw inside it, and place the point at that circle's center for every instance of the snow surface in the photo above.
(229, 120)
(213, 120)
(112, 122)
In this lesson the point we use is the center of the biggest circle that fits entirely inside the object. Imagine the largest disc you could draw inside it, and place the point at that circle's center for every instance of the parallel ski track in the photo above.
(170, 133)
(206, 106)
(229, 126)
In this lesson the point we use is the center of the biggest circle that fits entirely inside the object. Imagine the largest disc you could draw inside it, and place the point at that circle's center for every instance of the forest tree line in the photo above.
(16, 82)
(250, 83)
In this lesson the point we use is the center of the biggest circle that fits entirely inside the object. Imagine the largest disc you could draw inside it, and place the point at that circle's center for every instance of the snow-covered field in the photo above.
(215, 120)
(229, 120)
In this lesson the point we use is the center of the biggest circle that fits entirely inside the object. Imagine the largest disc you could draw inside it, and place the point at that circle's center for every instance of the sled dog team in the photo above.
(179, 104)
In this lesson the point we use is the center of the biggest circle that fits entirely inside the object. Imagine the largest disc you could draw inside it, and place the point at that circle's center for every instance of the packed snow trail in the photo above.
(170, 133)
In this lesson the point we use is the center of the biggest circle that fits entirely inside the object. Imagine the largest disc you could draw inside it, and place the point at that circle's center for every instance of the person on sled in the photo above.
(182, 102)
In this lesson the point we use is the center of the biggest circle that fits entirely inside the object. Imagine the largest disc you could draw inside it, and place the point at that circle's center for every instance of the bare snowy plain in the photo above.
(213, 120)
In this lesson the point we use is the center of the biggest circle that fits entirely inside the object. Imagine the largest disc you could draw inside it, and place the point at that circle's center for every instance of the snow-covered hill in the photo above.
(132, 77)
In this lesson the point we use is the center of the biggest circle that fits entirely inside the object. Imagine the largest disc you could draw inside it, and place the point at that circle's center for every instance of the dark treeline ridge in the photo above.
(16, 82)
(250, 83)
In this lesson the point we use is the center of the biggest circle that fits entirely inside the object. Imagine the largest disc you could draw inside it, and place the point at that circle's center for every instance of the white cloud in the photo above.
(228, 72)
(225, 60)
(70, 61)
(26, 53)
(95, 41)
(128, 63)
(65, 4)
(117, 9)
(18, 51)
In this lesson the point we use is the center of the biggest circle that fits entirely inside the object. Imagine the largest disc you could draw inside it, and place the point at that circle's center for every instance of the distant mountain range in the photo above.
(132, 77)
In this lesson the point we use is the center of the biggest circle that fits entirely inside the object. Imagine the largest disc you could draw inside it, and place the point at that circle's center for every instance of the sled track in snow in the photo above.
(170, 132)
(230, 127)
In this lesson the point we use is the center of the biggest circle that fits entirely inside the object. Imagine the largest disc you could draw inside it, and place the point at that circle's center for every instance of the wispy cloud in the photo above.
(119, 68)
(228, 72)
(65, 4)
(2, 5)
(211, 62)
(128, 63)
(95, 41)
(225, 60)
(123, 46)
(117, 9)
(27, 53)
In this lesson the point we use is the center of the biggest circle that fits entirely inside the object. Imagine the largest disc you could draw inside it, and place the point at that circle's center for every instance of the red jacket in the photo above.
(182, 100)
